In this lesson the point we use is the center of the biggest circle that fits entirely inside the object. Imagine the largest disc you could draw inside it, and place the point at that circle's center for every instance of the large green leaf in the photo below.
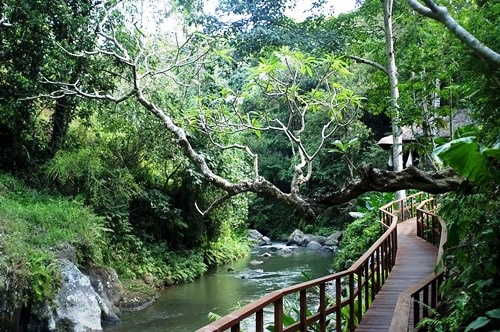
(495, 313)
(478, 323)
(493, 151)
(466, 156)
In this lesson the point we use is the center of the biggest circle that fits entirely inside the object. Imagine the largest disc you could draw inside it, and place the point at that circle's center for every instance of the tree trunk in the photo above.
(397, 146)
(61, 119)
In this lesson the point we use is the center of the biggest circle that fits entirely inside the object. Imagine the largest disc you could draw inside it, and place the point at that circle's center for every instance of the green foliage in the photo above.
(33, 227)
(271, 218)
(373, 201)
(472, 287)
(470, 159)
(358, 237)
(228, 247)
(123, 164)
(212, 316)
(31, 49)
(261, 26)
(360, 234)
(134, 259)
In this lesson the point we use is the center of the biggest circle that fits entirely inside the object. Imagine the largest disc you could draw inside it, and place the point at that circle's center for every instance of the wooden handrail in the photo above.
(425, 295)
(361, 281)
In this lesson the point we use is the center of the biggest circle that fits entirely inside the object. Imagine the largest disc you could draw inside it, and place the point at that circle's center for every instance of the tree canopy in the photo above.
(174, 124)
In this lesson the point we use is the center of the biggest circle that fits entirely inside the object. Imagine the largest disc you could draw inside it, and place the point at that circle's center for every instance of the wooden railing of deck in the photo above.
(423, 297)
(362, 282)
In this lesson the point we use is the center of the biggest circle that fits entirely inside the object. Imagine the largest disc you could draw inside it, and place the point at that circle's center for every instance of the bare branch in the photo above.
(5, 23)
(68, 89)
(213, 205)
(147, 67)
(369, 62)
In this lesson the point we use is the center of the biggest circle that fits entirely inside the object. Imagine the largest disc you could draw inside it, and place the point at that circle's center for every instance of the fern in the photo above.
(212, 316)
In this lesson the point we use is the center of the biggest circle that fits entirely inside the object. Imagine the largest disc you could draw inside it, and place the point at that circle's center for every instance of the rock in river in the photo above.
(314, 245)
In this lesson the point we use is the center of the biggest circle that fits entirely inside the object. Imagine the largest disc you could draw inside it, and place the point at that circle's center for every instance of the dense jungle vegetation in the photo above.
(151, 140)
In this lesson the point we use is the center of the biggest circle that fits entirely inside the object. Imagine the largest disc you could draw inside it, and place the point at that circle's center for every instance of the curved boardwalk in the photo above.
(415, 260)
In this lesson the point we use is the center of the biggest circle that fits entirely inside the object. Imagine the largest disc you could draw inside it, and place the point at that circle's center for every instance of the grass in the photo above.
(33, 226)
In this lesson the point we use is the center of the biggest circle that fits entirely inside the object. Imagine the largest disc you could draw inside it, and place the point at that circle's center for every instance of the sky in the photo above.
(335, 6)
(338, 6)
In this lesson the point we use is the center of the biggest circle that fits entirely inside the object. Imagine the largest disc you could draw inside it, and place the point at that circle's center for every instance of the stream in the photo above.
(184, 308)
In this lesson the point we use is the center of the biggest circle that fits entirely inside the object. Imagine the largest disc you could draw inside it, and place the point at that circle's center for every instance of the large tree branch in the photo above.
(441, 14)
(374, 179)
(369, 62)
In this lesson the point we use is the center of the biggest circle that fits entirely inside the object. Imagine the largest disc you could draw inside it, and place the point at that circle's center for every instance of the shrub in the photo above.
(358, 237)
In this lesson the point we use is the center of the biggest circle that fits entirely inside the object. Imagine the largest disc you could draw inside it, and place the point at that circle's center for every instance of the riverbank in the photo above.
(49, 244)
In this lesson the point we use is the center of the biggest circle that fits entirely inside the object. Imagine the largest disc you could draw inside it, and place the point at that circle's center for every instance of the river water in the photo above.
(184, 308)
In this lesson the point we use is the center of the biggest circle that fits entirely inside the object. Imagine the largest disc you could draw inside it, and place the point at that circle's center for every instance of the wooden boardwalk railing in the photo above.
(336, 302)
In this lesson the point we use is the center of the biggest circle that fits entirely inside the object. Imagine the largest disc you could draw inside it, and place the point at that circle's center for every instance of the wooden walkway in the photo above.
(415, 260)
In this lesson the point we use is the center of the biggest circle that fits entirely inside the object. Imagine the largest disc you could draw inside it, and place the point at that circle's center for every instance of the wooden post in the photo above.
(259, 321)
(434, 294)
(416, 309)
(360, 295)
(372, 277)
(322, 306)
(425, 307)
(303, 310)
(352, 328)
(378, 269)
(338, 304)
(367, 283)
(278, 315)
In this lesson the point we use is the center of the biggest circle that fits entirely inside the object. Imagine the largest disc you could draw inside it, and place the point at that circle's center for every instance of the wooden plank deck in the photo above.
(415, 260)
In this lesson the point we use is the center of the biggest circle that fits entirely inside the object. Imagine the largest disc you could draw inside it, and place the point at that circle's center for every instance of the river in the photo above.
(184, 308)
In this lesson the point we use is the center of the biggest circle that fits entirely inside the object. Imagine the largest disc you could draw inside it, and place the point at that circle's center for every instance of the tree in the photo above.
(257, 27)
(32, 36)
(146, 62)
(441, 14)
(392, 72)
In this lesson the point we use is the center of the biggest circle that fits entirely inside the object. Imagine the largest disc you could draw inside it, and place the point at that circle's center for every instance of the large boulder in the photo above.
(254, 235)
(83, 302)
(331, 243)
(296, 238)
(265, 241)
(337, 236)
(329, 249)
(77, 305)
(314, 245)
(105, 282)
(310, 237)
